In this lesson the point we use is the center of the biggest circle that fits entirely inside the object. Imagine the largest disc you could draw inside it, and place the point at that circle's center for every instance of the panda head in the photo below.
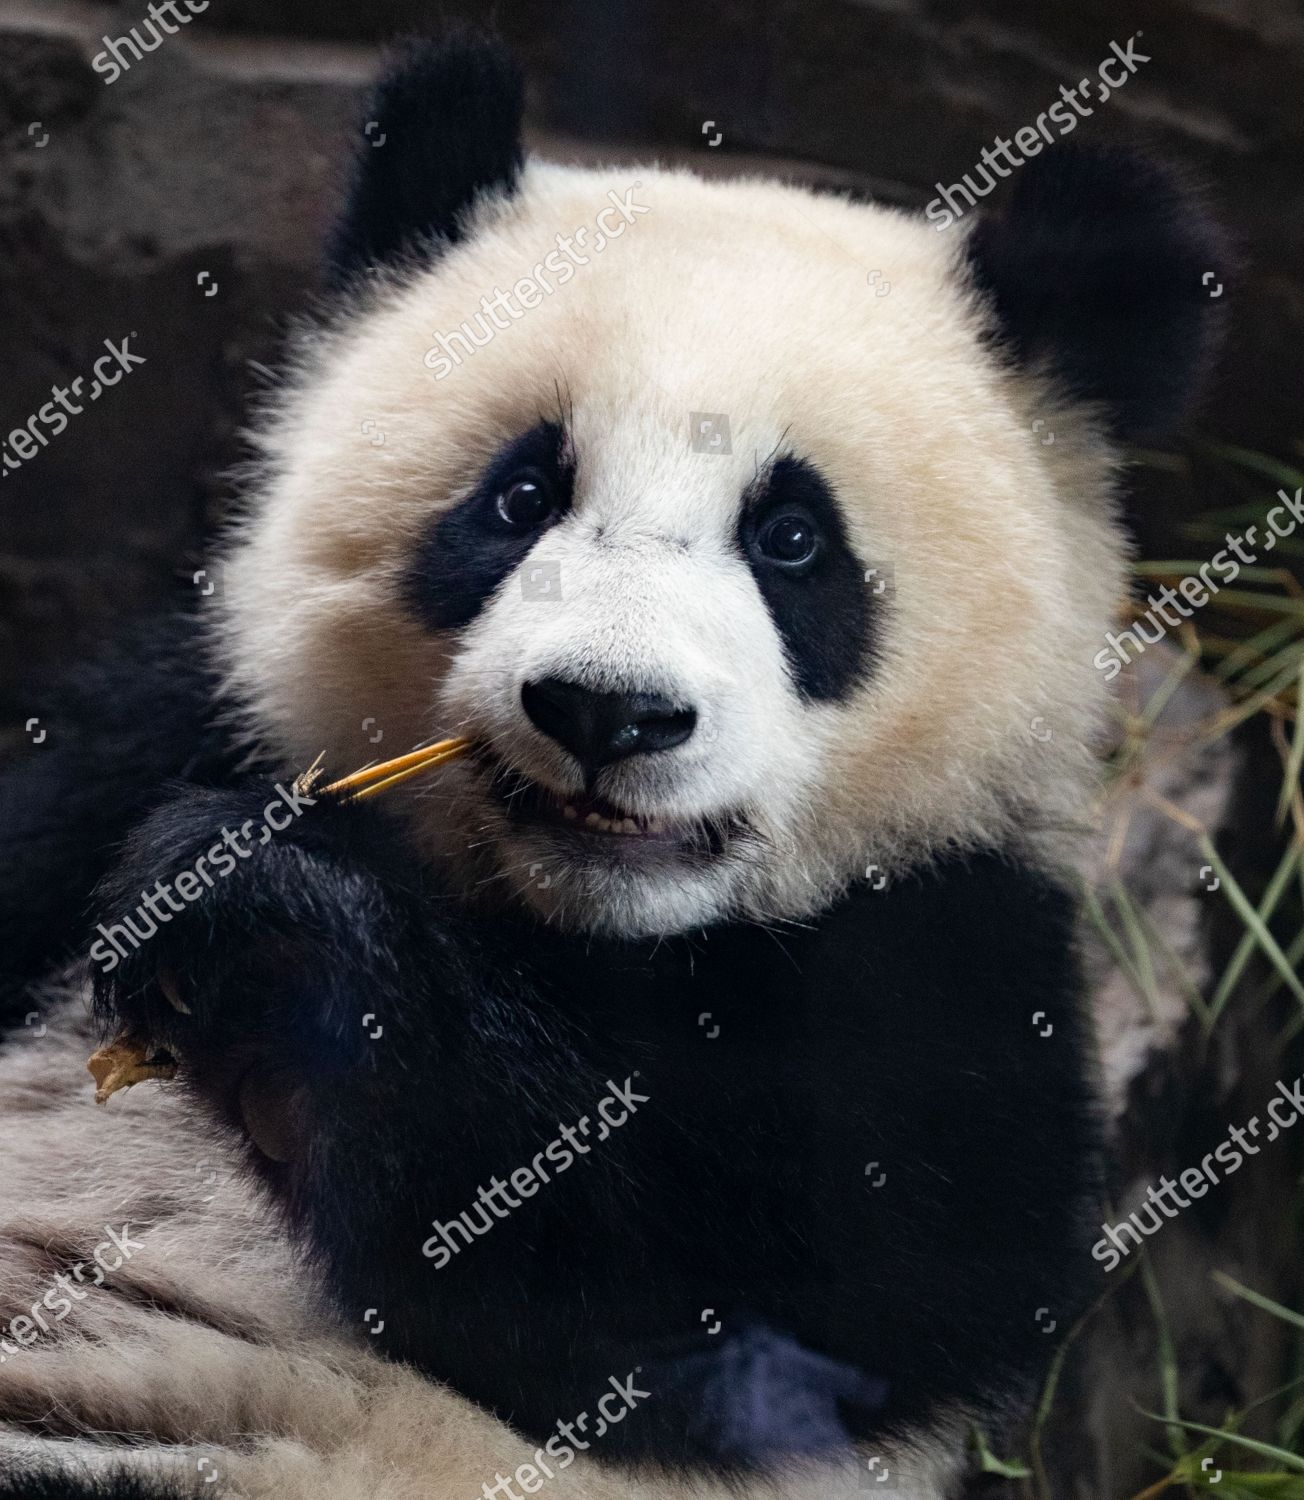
(756, 537)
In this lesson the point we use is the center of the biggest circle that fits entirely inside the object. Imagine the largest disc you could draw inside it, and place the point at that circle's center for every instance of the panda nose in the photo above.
(598, 728)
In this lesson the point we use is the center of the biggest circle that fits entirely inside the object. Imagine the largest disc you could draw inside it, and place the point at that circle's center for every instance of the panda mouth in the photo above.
(593, 819)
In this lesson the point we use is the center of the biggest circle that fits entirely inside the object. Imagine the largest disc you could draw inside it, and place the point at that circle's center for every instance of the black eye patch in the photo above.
(791, 533)
(470, 549)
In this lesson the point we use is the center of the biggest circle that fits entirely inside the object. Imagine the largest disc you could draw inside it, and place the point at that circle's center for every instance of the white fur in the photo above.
(755, 300)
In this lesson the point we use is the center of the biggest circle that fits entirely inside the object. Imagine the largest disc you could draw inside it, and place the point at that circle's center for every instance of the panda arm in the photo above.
(381, 1052)
(235, 898)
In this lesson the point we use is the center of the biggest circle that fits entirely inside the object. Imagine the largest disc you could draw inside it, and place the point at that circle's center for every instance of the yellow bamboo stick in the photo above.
(428, 755)
(399, 776)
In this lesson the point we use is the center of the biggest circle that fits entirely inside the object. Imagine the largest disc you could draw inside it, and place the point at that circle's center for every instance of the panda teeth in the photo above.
(570, 812)
(627, 827)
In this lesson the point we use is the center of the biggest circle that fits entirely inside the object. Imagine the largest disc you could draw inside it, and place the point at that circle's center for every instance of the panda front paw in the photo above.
(222, 905)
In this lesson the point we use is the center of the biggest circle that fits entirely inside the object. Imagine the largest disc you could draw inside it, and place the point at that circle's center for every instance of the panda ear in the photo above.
(443, 127)
(1103, 265)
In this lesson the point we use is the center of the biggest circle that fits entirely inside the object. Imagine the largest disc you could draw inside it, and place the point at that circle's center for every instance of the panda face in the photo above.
(641, 657)
(706, 674)
(760, 540)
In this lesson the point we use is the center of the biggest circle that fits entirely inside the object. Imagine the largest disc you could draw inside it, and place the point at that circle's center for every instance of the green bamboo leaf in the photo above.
(1168, 1376)
(1245, 948)
(1295, 760)
(988, 1463)
(1278, 664)
(1286, 1314)
(1159, 699)
(1295, 958)
(1259, 645)
(1264, 1450)
(1252, 706)
(1145, 969)
(1251, 1486)
(1285, 603)
(1190, 568)
(1274, 469)
(1120, 955)
(1185, 981)
(1245, 910)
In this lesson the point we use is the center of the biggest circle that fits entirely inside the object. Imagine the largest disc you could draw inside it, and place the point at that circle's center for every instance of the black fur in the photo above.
(1103, 263)
(780, 1075)
(822, 611)
(31, 1483)
(468, 550)
(115, 730)
(441, 129)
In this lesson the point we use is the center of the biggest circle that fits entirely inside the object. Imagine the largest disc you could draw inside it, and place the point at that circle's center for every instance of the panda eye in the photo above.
(789, 539)
(526, 502)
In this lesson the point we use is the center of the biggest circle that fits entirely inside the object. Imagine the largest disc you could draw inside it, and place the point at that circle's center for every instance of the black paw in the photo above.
(757, 1397)
(224, 903)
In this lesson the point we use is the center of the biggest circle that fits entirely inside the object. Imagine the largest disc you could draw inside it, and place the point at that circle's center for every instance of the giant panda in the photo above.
(763, 558)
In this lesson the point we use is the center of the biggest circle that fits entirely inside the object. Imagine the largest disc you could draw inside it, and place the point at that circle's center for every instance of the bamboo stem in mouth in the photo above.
(372, 779)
